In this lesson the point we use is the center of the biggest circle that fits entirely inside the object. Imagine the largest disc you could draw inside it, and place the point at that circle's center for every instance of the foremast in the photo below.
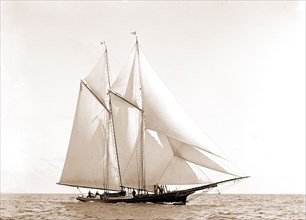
(89, 162)
(111, 121)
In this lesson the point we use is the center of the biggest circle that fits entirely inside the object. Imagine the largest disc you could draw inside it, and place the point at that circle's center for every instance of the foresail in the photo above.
(86, 161)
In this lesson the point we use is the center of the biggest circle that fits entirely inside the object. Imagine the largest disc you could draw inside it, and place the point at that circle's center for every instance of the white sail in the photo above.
(173, 167)
(127, 122)
(127, 84)
(98, 80)
(200, 157)
(137, 129)
(89, 146)
(91, 159)
(164, 115)
(163, 166)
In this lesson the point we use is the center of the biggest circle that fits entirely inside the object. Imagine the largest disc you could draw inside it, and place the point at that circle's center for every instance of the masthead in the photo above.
(104, 43)
(134, 33)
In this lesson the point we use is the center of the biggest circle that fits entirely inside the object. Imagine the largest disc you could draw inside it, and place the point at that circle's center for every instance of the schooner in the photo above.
(133, 140)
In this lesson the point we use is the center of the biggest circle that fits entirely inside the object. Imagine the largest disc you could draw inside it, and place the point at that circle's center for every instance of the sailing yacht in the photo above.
(132, 140)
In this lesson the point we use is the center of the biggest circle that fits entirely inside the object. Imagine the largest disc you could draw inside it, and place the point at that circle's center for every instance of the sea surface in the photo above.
(207, 206)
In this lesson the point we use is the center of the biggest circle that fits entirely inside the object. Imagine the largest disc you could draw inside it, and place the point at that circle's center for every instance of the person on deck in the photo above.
(97, 194)
(90, 195)
(133, 193)
(161, 190)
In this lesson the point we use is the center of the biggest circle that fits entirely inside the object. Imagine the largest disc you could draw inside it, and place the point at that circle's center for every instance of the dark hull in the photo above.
(176, 197)
(171, 197)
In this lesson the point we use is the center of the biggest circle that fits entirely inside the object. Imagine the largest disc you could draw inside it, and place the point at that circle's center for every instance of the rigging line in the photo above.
(202, 172)
(166, 168)
(142, 159)
(218, 190)
(91, 91)
(111, 114)
(119, 96)
(198, 195)
(79, 190)
(223, 188)
(107, 150)
(137, 165)
(218, 161)
(228, 169)
(226, 156)
(106, 162)
(135, 148)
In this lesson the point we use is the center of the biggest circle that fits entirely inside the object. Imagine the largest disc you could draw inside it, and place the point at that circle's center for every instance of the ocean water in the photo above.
(208, 206)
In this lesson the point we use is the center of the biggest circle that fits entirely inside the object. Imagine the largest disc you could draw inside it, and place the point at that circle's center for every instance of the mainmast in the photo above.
(142, 184)
(111, 121)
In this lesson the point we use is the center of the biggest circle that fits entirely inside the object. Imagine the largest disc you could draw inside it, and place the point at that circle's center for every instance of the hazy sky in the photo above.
(237, 67)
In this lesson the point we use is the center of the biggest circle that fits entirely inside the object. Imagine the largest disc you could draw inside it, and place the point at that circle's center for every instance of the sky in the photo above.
(237, 67)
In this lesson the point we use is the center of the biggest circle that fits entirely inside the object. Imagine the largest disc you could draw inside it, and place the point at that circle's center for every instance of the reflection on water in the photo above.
(63, 206)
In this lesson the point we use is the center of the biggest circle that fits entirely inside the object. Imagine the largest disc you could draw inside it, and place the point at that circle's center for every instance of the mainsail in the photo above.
(134, 134)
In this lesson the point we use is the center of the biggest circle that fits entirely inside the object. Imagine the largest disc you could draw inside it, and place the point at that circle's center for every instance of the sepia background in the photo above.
(237, 67)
